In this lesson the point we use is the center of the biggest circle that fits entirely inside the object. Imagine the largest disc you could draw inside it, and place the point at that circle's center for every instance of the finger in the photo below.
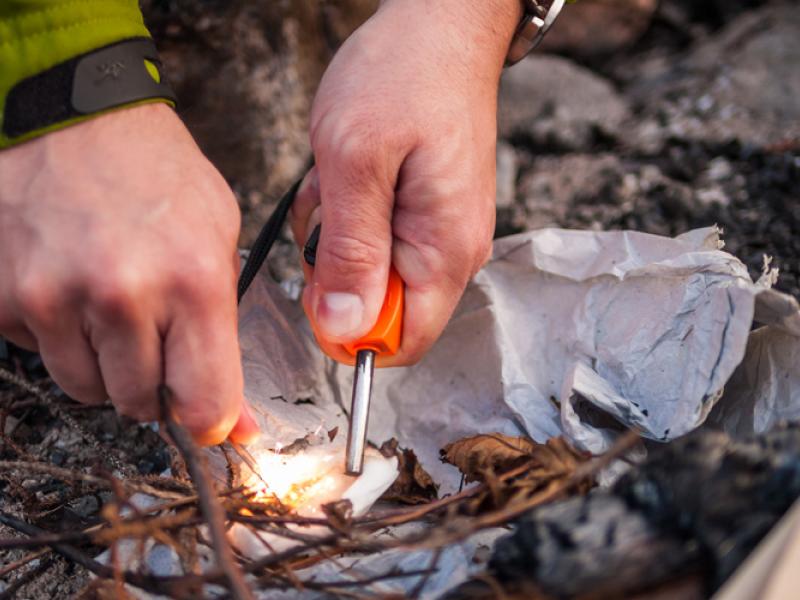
(202, 362)
(20, 337)
(71, 362)
(436, 255)
(348, 283)
(13, 329)
(305, 203)
(129, 356)
(49, 316)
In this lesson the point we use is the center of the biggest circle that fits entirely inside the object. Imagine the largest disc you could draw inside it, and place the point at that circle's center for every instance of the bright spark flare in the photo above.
(294, 479)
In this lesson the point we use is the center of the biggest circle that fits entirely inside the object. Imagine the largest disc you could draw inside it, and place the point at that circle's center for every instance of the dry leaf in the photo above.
(413, 484)
(487, 454)
(475, 455)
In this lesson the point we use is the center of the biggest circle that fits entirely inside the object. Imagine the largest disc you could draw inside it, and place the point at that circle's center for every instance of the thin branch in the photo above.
(10, 567)
(209, 505)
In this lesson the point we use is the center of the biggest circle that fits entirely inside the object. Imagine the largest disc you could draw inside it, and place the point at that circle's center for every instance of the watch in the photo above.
(538, 18)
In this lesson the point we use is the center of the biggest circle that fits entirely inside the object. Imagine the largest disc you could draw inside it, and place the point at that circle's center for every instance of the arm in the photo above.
(117, 238)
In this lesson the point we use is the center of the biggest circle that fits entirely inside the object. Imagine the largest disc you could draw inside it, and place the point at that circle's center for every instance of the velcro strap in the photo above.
(112, 76)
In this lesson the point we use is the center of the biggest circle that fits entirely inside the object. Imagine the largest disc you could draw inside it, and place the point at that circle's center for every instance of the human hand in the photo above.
(118, 264)
(403, 130)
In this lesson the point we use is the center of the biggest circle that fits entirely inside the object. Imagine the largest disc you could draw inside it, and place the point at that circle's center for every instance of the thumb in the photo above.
(354, 253)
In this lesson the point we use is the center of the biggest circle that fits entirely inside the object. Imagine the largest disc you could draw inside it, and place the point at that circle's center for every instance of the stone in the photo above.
(555, 186)
(548, 101)
(741, 84)
(593, 28)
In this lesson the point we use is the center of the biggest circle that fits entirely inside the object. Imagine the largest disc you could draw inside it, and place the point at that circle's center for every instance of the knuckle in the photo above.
(348, 254)
(36, 296)
(205, 277)
(116, 293)
(354, 142)
(357, 156)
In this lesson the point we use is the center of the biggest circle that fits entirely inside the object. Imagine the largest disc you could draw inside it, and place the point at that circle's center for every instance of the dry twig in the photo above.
(210, 507)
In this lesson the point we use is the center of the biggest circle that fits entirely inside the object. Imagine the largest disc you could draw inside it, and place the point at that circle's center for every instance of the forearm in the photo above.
(478, 32)
(36, 35)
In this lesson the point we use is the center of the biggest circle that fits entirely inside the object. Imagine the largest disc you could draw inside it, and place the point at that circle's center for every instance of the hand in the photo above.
(403, 130)
(118, 264)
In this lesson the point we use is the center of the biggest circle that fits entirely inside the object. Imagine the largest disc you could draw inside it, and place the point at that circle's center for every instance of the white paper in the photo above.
(564, 332)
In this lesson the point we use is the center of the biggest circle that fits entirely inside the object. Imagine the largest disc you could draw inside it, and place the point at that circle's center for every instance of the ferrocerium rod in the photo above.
(359, 411)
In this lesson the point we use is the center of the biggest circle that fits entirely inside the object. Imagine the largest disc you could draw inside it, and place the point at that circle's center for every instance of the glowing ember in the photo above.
(294, 479)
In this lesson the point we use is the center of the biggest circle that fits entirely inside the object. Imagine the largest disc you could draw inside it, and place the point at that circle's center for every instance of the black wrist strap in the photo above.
(122, 73)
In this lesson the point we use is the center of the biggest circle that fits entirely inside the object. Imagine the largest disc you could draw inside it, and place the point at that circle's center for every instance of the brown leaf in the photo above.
(339, 513)
(413, 484)
(484, 454)
(475, 455)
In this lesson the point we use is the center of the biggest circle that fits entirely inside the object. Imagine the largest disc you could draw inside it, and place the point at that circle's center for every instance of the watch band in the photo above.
(538, 18)
(120, 74)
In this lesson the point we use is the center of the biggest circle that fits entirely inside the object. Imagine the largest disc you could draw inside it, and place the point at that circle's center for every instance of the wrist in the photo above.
(40, 60)
(477, 31)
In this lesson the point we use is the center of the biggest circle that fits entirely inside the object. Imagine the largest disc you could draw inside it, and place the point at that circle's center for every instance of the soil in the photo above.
(688, 122)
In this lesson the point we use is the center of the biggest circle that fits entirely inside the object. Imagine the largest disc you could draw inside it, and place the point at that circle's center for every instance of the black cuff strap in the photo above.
(115, 75)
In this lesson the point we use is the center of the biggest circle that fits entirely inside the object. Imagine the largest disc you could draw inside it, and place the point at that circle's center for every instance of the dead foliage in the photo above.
(514, 468)
(484, 455)
(413, 484)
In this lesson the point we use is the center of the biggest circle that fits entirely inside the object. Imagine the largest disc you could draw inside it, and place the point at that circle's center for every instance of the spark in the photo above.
(293, 479)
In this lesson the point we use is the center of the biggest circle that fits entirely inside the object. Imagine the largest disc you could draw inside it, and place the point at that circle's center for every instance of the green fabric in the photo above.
(38, 34)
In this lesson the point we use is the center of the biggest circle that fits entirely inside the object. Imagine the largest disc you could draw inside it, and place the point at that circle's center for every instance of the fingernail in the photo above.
(339, 314)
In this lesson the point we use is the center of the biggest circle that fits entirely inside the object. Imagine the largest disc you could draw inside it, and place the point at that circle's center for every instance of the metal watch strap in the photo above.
(116, 75)
(538, 18)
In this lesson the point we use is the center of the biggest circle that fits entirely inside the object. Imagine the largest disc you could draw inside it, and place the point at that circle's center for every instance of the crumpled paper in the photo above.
(563, 332)
(572, 333)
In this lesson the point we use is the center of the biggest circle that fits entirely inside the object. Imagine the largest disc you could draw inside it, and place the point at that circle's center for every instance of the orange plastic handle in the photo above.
(384, 338)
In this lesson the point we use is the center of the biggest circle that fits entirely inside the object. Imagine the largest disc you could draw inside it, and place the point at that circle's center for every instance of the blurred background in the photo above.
(652, 115)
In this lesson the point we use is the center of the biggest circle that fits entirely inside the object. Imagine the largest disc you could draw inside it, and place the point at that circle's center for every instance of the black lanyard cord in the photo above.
(265, 240)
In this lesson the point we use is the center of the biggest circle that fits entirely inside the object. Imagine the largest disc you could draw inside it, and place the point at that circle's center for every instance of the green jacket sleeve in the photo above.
(36, 35)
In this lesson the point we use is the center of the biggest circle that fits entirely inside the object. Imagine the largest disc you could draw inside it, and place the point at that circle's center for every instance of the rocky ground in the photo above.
(657, 116)
(679, 131)
(653, 116)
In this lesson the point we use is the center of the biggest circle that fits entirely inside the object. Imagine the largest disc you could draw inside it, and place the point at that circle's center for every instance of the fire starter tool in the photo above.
(382, 340)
